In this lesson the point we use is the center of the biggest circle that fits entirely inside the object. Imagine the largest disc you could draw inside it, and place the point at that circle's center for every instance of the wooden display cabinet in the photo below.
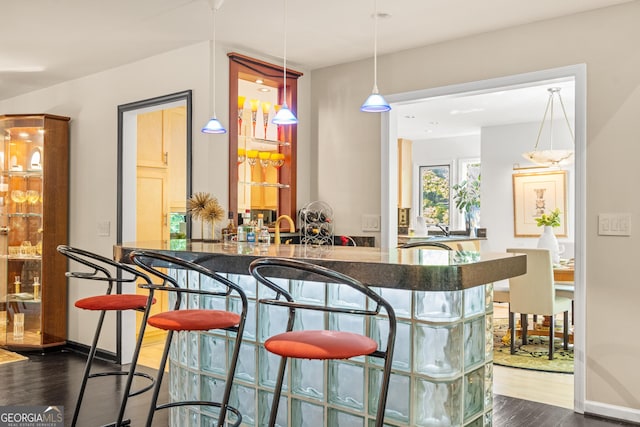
(34, 200)
(262, 155)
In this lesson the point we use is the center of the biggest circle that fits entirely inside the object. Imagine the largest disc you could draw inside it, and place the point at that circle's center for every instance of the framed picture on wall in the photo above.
(535, 194)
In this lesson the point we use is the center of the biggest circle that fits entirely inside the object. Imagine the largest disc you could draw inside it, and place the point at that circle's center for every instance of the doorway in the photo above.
(154, 183)
(389, 185)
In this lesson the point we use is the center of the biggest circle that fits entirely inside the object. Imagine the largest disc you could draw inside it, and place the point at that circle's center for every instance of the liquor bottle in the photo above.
(36, 288)
(17, 284)
(229, 229)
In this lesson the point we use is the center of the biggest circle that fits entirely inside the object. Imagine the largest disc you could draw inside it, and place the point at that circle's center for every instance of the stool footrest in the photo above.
(123, 423)
(151, 379)
(203, 403)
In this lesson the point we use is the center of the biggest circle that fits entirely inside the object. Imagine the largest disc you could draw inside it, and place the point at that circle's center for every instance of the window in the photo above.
(437, 205)
(435, 184)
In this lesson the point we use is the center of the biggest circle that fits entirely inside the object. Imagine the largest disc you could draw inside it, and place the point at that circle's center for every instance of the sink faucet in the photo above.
(444, 228)
(292, 227)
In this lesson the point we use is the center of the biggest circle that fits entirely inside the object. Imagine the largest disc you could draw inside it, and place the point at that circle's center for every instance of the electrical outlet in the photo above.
(370, 222)
(614, 224)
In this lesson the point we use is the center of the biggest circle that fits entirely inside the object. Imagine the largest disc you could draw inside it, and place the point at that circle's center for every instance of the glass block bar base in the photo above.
(442, 366)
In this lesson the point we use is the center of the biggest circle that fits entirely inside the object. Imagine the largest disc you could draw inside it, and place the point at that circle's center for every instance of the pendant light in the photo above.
(213, 125)
(551, 157)
(285, 116)
(375, 103)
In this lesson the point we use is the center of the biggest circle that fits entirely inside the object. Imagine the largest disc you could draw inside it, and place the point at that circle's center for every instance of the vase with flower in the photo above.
(548, 239)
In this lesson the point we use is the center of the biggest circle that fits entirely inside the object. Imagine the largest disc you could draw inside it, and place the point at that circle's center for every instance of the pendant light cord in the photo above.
(375, 46)
(285, 54)
(212, 50)
(548, 108)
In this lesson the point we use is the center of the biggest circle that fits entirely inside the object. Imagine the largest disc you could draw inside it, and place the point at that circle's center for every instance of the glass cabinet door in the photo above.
(23, 204)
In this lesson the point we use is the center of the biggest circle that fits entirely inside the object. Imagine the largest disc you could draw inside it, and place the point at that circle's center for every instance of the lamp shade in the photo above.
(213, 126)
(375, 103)
(550, 157)
(284, 116)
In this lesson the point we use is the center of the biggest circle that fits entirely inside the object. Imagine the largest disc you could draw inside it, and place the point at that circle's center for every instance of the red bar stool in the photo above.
(322, 344)
(181, 319)
(102, 272)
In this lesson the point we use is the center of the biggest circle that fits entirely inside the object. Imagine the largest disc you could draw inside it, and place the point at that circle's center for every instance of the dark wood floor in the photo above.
(52, 379)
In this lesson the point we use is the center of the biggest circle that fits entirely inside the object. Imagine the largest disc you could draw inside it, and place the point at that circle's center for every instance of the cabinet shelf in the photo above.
(35, 173)
(265, 184)
(22, 215)
(268, 141)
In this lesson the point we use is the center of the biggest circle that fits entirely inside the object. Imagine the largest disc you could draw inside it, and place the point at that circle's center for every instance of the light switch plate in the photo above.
(370, 222)
(104, 228)
(614, 224)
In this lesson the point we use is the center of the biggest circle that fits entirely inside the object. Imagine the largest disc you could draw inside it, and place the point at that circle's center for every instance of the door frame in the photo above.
(389, 183)
(125, 227)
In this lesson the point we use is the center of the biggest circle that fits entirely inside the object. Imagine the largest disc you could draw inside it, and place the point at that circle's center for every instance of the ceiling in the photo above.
(45, 42)
(465, 114)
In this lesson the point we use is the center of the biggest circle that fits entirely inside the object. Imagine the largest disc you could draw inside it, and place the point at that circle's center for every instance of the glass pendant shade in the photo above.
(284, 116)
(214, 126)
(550, 157)
(375, 103)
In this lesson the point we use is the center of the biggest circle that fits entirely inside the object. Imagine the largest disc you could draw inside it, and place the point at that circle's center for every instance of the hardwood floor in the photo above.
(53, 378)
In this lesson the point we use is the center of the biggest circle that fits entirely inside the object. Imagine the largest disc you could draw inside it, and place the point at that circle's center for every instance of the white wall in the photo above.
(92, 103)
(606, 41)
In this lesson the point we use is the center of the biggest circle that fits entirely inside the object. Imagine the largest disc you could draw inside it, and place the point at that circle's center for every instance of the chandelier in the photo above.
(551, 157)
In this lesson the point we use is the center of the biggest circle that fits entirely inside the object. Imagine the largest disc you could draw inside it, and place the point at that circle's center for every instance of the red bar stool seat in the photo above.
(322, 344)
(113, 302)
(194, 320)
(181, 319)
(103, 272)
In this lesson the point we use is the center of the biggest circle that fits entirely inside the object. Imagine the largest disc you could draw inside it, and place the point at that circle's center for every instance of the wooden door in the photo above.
(152, 194)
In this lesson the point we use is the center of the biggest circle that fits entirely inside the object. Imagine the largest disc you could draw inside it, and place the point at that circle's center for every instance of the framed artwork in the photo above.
(535, 194)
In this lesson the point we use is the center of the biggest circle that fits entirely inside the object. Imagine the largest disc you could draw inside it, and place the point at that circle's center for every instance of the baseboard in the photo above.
(84, 349)
(611, 411)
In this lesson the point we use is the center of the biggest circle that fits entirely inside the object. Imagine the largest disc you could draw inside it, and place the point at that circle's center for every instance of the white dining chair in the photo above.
(535, 293)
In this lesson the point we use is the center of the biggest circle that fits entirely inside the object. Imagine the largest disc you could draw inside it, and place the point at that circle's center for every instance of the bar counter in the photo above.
(442, 367)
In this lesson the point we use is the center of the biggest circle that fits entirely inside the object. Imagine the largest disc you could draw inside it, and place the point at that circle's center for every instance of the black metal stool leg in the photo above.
(87, 369)
(277, 392)
(132, 370)
(156, 390)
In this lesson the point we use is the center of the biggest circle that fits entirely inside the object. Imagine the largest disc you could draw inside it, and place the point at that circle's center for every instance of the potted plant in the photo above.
(467, 200)
(548, 239)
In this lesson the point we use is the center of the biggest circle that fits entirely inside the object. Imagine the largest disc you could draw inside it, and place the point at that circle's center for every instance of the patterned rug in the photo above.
(534, 355)
(9, 356)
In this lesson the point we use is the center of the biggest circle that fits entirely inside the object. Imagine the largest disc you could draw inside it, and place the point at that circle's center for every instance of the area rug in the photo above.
(534, 355)
(9, 356)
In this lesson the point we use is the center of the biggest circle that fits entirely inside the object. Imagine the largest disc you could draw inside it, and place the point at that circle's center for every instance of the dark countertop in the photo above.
(410, 269)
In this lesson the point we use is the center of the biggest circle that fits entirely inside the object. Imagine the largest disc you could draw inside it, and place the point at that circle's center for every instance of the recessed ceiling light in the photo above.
(467, 111)
(259, 81)
(409, 116)
(23, 135)
(264, 89)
